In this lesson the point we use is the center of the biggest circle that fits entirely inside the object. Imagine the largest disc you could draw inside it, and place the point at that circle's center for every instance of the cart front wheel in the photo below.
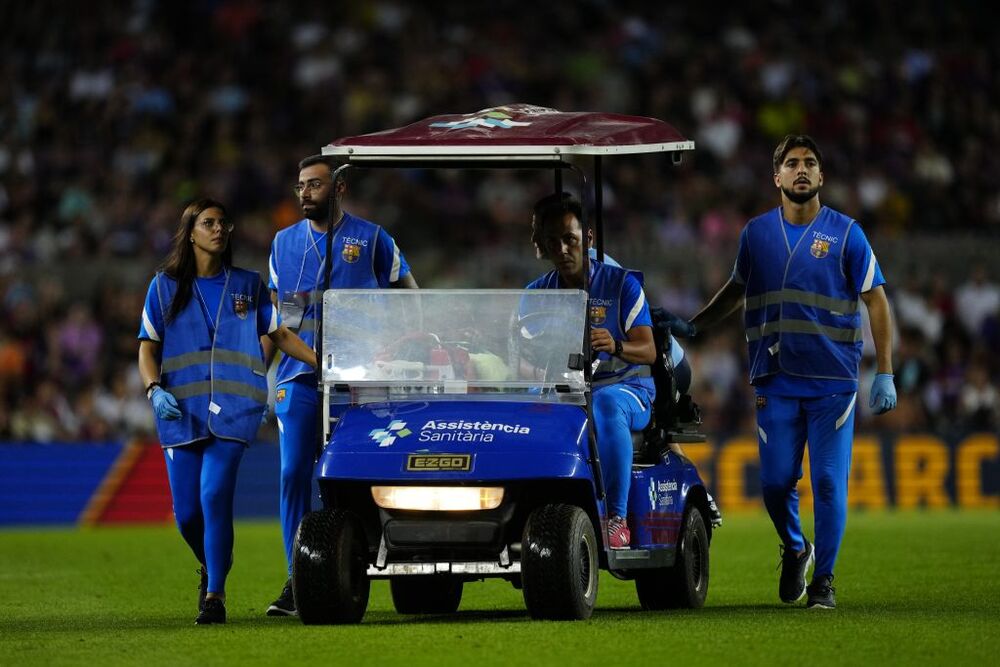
(559, 564)
(330, 568)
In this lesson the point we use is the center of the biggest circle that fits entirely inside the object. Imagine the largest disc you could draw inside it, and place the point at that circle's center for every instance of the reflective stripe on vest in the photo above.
(804, 327)
(182, 361)
(835, 306)
(617, 365)
(636, 372)
(191, 389)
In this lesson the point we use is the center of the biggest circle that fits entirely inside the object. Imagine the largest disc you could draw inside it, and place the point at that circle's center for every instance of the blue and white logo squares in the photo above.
(388, 435)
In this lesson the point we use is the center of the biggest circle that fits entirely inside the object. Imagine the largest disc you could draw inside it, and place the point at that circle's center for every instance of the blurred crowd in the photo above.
(113, 117)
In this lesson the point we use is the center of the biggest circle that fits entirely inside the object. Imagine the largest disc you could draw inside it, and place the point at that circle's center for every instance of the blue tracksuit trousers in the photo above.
(784, 425)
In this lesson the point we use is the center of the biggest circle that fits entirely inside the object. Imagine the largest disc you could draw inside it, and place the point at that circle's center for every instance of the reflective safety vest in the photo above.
(801, 314)
(297, 271)
(607, 283)
(219, 381)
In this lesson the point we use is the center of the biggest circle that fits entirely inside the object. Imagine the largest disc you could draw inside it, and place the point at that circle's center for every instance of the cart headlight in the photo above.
(440, 498)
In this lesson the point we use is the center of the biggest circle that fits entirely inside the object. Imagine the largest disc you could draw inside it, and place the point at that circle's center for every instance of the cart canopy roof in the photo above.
(517, 131)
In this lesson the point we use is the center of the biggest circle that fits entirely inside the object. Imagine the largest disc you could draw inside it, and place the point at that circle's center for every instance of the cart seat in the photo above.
(676, 418)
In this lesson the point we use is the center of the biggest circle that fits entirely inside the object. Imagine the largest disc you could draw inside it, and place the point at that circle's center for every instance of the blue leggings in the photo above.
(618, 410)
(784, 425)
(202, 483)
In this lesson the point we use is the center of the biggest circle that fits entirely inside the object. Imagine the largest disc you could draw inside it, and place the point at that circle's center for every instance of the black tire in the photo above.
(559, 563)
(431, 594)
(330, 568)
(685, 585)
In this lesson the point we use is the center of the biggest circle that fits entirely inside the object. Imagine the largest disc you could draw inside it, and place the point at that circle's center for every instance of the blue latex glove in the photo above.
(678, 326)
(883, 396)
(164, 404)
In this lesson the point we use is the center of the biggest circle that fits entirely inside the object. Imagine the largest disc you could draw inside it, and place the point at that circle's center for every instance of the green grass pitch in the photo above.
(912, 588)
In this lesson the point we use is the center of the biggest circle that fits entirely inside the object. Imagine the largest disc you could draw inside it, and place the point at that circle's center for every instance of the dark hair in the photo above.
(324, 160)
(180, 264)
(552, 207)
(795, 141)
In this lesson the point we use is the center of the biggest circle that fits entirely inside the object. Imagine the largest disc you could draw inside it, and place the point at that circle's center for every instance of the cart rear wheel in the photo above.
(330, 568)
(434, 594)
(685, 585)
(559, 564)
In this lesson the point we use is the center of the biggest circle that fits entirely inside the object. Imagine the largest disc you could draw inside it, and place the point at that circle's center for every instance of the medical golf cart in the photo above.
(465, 446)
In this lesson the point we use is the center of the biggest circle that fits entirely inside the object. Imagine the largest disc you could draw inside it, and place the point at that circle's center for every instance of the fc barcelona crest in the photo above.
(351, 252)
(598, 314)
(820, 248)
(241, 304)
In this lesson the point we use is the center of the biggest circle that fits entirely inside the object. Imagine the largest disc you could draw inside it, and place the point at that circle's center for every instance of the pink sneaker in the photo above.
(618, 535)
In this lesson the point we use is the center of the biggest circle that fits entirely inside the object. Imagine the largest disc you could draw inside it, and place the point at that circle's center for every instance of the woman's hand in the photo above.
(165, 405)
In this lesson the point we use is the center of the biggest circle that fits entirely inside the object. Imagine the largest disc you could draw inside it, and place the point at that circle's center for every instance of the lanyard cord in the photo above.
(307, 246)
(314, 246)
(218, 313)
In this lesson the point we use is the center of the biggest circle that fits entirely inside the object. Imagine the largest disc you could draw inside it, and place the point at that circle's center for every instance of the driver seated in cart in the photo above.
(679, 365)
(621, 337)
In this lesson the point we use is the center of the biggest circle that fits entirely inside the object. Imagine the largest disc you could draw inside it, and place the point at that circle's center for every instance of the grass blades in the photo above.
(912, 588)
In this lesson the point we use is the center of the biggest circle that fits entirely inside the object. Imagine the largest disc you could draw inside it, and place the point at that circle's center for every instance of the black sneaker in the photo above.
(714, 513)
(794, 568)
(285, 604)
(202, 588)
(821, 593)
(214, 612)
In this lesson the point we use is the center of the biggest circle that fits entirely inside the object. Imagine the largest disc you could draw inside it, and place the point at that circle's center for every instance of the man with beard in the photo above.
(364, 256)
(799, 272)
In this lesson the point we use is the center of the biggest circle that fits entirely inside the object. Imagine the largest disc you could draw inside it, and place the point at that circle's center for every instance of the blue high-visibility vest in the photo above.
(296, 269)
(608, 311)
(219, 381)
(802, 315)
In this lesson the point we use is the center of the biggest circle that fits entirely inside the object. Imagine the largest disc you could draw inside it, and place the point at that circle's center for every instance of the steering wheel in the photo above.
(534, 340)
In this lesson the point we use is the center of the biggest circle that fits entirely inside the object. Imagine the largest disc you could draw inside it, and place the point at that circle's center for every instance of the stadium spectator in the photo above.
(945, 389)
(201, 361)
(977, 299)
(913, 373)
(76, 339)
(121, 405)
(979, 403)
(913, 309)
(799, 273)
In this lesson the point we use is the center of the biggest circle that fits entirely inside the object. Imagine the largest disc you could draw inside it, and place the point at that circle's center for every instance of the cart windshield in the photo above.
(439, 343)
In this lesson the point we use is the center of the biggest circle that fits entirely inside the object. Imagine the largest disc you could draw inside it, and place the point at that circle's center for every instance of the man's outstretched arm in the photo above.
(722, 305)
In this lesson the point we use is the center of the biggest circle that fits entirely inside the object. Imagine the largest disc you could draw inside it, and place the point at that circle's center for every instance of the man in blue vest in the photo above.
(799, 273)
(621, 337)
(364, 256)
(679, 363)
